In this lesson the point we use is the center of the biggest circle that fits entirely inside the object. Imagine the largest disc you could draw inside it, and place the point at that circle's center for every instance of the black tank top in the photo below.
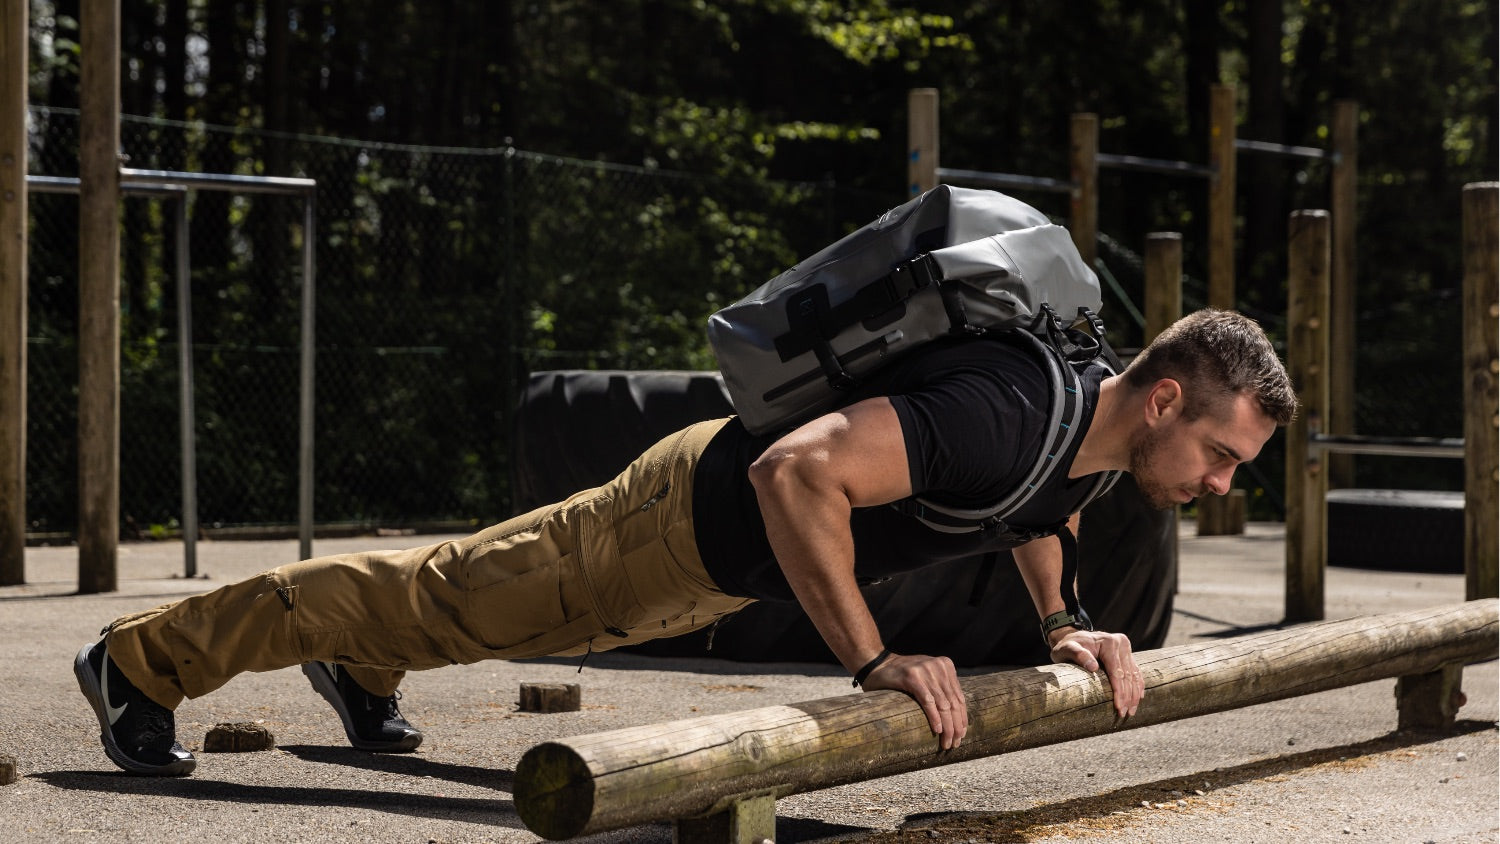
(973, 413)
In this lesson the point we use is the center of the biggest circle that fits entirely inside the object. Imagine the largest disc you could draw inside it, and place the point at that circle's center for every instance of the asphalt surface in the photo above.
(1325, 767)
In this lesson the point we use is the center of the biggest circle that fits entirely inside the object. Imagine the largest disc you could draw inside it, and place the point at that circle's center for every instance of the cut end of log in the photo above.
(554, 791)
(238, 738)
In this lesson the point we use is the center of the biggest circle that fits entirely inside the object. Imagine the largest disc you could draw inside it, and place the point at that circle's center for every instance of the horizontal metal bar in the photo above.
(1388, 446)
(1004, 180)
(70, 185)
(221, 181)
(1284, 149)
(1154, 165)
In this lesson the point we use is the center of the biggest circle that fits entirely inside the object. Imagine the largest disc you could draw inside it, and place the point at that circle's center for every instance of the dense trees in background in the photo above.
(769, 95)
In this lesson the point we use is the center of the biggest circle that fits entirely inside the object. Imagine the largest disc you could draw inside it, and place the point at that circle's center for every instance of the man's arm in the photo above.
(807, 483)
(1041, 565)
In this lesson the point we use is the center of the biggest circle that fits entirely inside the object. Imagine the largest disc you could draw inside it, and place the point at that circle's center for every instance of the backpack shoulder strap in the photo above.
(1065, 415)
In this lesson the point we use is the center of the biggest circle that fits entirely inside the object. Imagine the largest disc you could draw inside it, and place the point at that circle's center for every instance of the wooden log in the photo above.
(14, 41)
(701, 766)
(550, 697)
(922, 140)
(1307, 364)
(1481, 367)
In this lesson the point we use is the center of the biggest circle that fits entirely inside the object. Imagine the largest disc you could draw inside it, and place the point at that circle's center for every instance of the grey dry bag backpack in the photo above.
(951, 261)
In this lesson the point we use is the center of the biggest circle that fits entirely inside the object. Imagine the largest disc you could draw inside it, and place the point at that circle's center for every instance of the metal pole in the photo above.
(187, 419)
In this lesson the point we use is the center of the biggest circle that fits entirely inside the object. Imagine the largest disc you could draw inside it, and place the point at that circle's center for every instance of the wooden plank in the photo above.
(1307, 364)
(14, 40)
(1481, 362)
(922, 140)
(99, 296)
(1083, 157)
(636, 775)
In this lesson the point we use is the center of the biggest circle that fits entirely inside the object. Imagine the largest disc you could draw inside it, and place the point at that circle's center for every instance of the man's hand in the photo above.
(933, 683)
(1090, 649)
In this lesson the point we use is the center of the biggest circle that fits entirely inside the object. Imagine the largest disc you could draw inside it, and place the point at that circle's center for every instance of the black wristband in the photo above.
(861, 674)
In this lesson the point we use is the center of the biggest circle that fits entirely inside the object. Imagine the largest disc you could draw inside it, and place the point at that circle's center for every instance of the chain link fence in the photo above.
(444, 276)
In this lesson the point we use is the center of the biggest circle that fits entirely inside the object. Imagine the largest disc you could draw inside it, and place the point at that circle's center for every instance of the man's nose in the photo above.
(1218, 482)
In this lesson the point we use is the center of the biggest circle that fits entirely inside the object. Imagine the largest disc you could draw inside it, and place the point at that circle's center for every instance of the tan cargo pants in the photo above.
(608, 567)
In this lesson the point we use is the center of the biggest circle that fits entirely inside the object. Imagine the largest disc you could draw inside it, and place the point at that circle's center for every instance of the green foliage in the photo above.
(529, 185)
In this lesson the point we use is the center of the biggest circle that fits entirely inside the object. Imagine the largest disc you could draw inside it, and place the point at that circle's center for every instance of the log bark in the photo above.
(699, 766)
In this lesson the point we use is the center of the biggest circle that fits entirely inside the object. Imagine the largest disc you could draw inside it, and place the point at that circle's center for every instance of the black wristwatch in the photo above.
(1065, 618)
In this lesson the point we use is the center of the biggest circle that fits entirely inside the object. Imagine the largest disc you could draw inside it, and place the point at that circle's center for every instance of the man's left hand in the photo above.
(1091, 649)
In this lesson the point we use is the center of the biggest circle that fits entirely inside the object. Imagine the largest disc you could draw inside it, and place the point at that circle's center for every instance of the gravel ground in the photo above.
(1326, 767)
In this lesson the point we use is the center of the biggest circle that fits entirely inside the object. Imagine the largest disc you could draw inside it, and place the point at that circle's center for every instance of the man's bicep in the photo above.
(860, 449)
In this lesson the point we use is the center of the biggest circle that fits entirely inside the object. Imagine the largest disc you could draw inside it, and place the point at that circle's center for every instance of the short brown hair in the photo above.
(1217, 355)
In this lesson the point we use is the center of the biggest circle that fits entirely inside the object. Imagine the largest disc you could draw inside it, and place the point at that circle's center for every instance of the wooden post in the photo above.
(99, 296)
(588, 784)
(1163, 283)
(1343, 202)
(14, 39)
(1429, 701)
(1481, 362)
(1083, 145)
(1163, 306)
(922, 140)
(1221, 189)
(1307, 357)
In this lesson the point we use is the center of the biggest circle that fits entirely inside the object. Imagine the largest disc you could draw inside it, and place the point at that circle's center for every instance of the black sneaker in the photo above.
(372, 723)
(139, 734)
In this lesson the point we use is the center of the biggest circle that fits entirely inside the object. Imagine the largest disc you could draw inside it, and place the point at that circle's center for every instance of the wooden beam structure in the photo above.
(1307, 364)
(720, 772)
(99, 296)
(14, 39)
(922, 141)
(1481, 362)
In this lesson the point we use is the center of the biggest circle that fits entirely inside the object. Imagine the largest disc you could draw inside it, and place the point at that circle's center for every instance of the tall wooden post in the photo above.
(13, 72)
(922, 140)
(1221, 191)
(1083, 145)
(1307, 358)
(99, 296)
(1343, 199)
(1481, 364)
(1163, 306)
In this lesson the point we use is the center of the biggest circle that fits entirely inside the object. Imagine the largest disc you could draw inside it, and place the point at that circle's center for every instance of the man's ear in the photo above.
(1164, 401)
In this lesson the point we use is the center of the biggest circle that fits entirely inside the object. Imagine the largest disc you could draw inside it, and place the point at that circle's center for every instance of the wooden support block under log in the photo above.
(700, 766)
(7, 770)
(238, 738)
(551, 697)
(1222, 515)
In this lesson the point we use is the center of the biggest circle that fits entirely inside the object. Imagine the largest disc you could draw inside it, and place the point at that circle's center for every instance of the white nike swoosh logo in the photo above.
(114, 712)
(333, 670)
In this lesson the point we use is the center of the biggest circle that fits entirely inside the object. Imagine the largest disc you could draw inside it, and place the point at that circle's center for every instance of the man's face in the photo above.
(1175, 462)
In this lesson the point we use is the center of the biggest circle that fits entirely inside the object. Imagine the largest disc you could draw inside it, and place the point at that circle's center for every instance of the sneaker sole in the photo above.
(89, 685)
(323, 684)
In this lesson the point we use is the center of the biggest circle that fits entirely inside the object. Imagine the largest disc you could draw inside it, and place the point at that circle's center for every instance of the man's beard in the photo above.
(1145, 467)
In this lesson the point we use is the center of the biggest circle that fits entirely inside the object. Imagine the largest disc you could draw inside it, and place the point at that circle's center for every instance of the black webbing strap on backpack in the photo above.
(812, 322)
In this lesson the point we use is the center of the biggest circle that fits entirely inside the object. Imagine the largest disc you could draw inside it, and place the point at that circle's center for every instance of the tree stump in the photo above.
(550, 697)
(238, 738)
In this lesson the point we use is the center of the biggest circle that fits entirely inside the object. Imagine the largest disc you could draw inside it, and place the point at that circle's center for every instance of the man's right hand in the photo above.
(933, 683)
